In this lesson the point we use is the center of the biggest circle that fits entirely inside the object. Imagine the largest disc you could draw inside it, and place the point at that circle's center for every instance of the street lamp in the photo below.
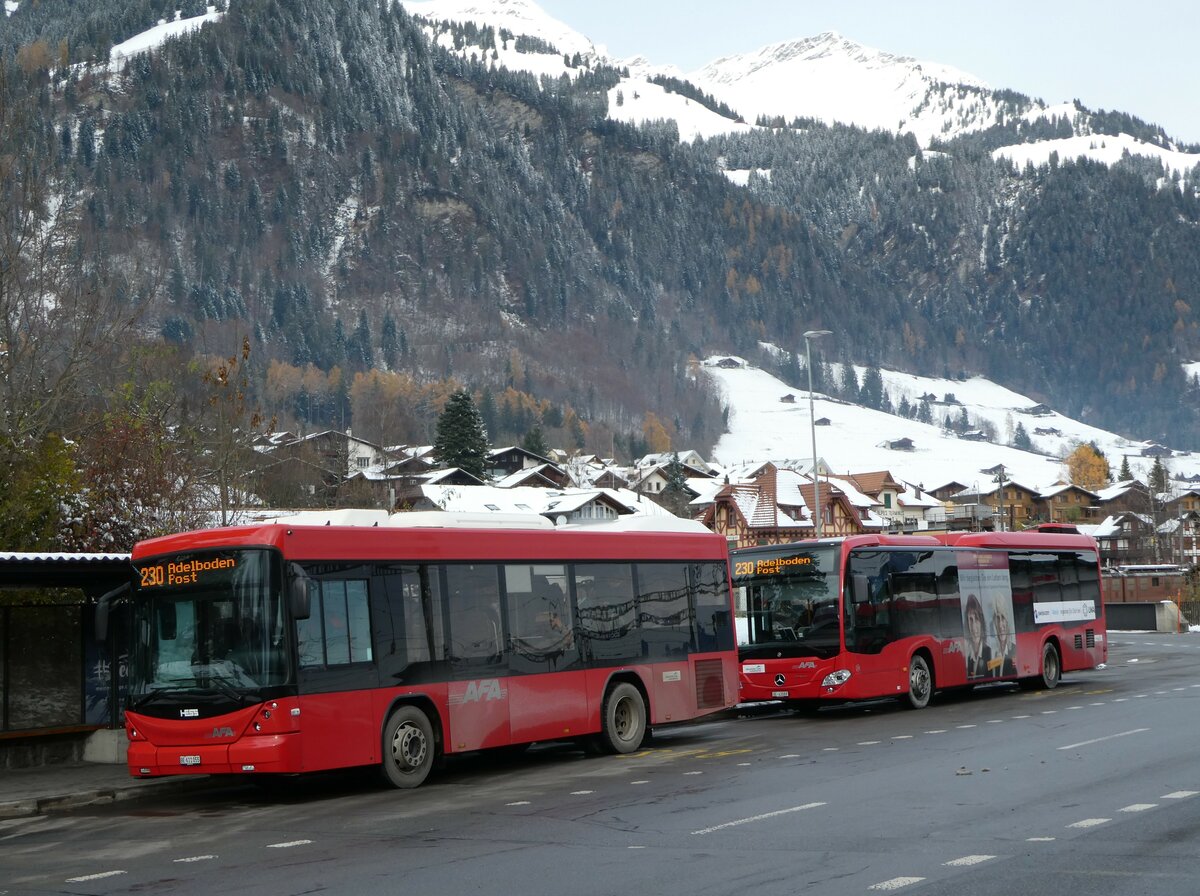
(809, 336)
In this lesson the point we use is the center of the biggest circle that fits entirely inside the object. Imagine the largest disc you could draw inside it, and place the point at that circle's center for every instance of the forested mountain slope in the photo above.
(318, 177)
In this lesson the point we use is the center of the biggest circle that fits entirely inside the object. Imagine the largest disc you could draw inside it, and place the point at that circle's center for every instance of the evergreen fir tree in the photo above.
(461, 439)
(1021, 438)
(535, 442)
(1125, 474)
(1158, 477)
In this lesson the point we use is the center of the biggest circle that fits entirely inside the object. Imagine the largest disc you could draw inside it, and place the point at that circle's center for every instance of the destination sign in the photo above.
(773, 566)
(174, 573)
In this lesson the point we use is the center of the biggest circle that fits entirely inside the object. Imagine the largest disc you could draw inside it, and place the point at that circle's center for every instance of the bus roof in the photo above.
(443, 536)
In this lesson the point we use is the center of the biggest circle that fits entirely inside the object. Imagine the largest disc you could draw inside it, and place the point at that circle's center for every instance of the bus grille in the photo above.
(710, 684)
(1090, 636)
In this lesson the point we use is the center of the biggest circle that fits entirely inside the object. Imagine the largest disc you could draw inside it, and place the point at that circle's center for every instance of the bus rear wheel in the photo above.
(622, 719)
(920, 682)
(408, 748)
(1051, 673)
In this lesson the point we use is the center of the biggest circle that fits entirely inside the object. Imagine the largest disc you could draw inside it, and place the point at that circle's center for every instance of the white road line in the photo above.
(967, 860)
(289, 844)
(896, 883)
(966, 726)
(1101, 703)
(1096, 740)
(687, 773)
(790, 756)
(1049, 712)
(1075, 707)
(646, 781)
(937, 731)
(1021, 717)
(1090, 823)
(194, 859)
(1040, 839)
(901, 737)
(763, 817)
(518, 803)
(994, 721)
(100, 876)
(581, 792)
(831, 749)
(1180, 794)
(866, 743)
(1139, 807)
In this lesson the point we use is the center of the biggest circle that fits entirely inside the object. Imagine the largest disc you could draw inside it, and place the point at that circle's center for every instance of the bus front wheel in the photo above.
(623, 719)
(408, 748)
(920, 682)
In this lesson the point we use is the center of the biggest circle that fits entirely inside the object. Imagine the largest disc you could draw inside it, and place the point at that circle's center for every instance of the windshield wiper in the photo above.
(160, 692)
(222, 685)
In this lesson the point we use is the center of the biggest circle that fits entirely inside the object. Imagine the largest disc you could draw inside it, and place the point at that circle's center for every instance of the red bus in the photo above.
(871, 616)
(285, 647)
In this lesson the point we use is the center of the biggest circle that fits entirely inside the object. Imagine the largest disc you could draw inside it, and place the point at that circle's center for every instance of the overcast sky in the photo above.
(1140, 58)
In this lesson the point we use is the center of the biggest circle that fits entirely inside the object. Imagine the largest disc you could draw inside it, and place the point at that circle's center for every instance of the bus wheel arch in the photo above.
(920, 680)
(624, 715)
(411, 743)
(1049, 672)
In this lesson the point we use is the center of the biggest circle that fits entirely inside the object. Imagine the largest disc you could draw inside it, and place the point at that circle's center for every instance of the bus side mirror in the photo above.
(299, 601)
(861, 589)
(103, 608)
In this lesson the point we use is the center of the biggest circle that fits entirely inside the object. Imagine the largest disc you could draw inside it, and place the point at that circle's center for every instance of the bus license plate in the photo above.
(779, 693)
(189, 760)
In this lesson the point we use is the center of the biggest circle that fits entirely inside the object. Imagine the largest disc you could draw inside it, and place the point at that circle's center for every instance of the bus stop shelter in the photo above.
(56, 683)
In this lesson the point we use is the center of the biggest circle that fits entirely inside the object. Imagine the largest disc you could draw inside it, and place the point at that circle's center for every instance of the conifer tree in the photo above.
(461, 439)
(1125, 473)
(1158, 477)
(1021, 438)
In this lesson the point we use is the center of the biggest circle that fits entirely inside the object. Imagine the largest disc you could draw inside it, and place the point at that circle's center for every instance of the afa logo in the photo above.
(477, 691)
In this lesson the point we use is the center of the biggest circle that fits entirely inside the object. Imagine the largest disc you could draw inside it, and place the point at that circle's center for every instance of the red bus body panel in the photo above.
(318, 731)
(885, 674)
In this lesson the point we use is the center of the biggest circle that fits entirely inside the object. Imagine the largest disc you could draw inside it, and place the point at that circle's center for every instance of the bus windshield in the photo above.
(790, 597)
(211, 622)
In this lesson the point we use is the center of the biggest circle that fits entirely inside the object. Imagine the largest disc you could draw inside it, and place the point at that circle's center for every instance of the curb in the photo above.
(34, 806)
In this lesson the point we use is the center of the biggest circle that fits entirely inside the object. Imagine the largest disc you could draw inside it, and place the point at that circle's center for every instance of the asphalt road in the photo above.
(1092, 788)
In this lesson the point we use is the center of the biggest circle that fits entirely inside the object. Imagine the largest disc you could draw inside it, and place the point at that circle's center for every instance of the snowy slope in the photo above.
(762, 427)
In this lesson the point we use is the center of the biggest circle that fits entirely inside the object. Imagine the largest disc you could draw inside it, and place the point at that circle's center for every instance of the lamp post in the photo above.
(809, 336)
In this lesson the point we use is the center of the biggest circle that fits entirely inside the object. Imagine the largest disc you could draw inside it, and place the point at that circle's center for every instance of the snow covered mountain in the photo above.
(828, 77)
(764, 425)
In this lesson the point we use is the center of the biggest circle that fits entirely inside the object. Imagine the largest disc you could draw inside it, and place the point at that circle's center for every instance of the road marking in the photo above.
(901, 737)
(896, 883)
(994, 721)
(1180, 794)
(1138, 807)
(518, 803)
(763, 817)
(966, 726)
(967, 860)
(937, 731)
(831, 749)
(646, 781)
(195, 859)
(686, 773)
(289, 844)
(1021, 717)
(867, 743)
(1090, 823)
(740, 765)
(1101, 703)
(581, 792)
(1049, 712)
(790, 756)
(1040, 839)
(100, 876)
(1075, 707)
(1088, 743)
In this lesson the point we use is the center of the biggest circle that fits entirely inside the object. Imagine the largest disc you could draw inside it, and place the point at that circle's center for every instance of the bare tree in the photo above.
(67, 307)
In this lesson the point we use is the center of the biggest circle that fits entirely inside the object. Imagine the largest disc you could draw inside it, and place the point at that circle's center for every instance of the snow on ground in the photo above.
(637, 100)
(161, 32)
(1097, 147)
(763, 427)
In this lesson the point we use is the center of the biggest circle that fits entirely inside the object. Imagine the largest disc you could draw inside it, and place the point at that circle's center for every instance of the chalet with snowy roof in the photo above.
(570, 505)
(905, 444)
(1185, 502)
(1156, 450)
(502, 462)
(691, 460)
(1069, 504)
(947, 491)
(775, 507)
(884, 489)
(1128, 496)
(541, 476)
(1179, 539)
(1123, 539)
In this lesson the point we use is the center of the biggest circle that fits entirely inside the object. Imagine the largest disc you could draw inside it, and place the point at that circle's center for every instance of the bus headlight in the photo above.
(836, 679)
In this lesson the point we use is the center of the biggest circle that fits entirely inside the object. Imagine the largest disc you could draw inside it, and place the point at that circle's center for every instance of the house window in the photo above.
(887, 500)
(362, 462)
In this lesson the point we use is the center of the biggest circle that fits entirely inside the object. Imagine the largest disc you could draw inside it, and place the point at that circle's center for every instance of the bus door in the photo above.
(480, 693)
(337, 676)
(547, 692)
